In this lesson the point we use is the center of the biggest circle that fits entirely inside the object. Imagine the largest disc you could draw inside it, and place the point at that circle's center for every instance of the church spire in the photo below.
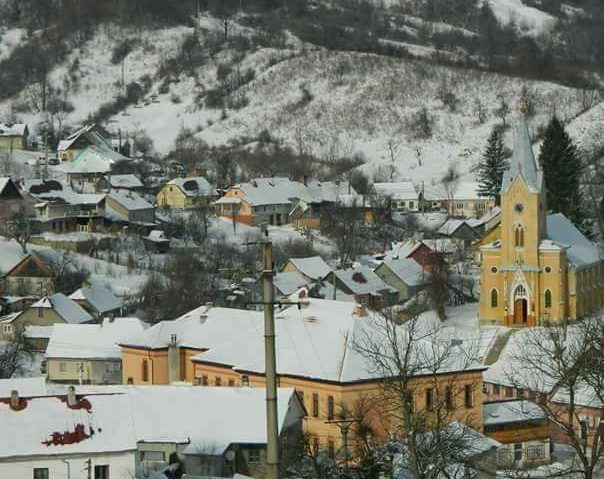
(523, 160)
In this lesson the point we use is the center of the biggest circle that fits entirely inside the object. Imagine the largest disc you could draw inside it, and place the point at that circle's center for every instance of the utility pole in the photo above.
(272, 432)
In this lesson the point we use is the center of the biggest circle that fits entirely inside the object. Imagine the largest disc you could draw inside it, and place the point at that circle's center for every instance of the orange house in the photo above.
(316, 355)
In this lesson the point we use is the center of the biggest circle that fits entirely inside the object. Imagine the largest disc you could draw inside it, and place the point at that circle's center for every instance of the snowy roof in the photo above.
(523, 161)
(484, 219)
(463, 190)
(402, 190)
(54, 190)
(37, 332)
(504, 412)
(87, 131)
(403, 249)
(288, 282)
(193, 186)
(362, 280)
(68, 309)
(6, 181)
(130, 200)
(157, 235)
(441, 245)
(319, 341)
(208, 420)
(99, 297)
(125, 181)
(92, 341)
(26, 386)
(98, 155)
(107, 423)
(580, 251)
(280, 191)
(451, 226)
(201, 328)
(313, 267)
(408, 270)
(12, 129)
(585, 395)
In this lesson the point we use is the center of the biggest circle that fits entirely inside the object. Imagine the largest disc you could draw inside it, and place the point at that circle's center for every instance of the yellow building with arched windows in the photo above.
(542, 268)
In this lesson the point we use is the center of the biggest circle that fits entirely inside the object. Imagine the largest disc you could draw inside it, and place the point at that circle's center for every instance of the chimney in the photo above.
(14, 399)
(71, 397)
(173, 360)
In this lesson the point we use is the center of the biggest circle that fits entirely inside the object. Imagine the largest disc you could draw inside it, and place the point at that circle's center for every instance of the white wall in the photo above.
(121, 466)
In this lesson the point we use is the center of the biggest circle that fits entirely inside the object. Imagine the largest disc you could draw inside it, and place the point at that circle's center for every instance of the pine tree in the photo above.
(561, 170)
(492, 167)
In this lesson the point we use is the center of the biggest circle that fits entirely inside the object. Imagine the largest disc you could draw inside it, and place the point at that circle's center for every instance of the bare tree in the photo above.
(450, 182)
(20, 228)
(564, 366)
(503, 110)
(424, 420)
(13, 355)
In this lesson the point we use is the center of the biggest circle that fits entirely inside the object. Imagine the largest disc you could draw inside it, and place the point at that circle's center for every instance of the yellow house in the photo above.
(542, 269)
(185, 193)
(316, 355)
(13, 136)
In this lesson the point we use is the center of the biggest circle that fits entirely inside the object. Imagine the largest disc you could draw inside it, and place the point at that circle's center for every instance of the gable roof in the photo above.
(193, 186)
(313, 267)
(408, 271)
(319, 341)
(92, 341)
(402, 190)
(130, 200)
(68, 309)
(523, 161)
(362, 280)
(88, 132)
(99, 297)
(288, 282)
(451, 226)
(579, 250)
(13, 129)
(124, 181)
(8, 186)
(505, 412)
(24, 267)
(54, 190)
(403, 249)
(114, 419)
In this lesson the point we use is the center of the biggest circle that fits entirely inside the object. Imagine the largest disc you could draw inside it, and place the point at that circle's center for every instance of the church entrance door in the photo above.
(520, 311)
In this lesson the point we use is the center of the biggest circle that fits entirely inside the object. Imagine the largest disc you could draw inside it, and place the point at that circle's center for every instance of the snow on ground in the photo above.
(9, 40)
(528, 19)
(587, 130)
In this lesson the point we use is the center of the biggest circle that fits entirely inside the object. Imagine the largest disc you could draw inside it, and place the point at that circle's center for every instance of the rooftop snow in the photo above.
(362, 280)
(408, 270)
(193, 186)
(313, 267)
(129, 200)
(288, 282)
(92, 341)
(15, 129)
(580, 251)
(403, 190)
(99, 297)
(124, 181)
(403, 249)
(511, 411)
(69, 310)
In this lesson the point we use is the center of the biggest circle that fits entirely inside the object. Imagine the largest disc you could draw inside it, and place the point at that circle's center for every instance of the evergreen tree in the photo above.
(561, 170)
(492, 167)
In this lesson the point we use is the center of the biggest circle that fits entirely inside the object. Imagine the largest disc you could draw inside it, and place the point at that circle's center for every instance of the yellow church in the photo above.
(542, 269)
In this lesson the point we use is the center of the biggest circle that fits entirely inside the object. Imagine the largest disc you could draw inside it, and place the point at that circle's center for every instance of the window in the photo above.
(459, 206)
(518, 452)
(411, 204)
(496, 390)
(204, 380)
(584, 428)
(62, 367)
(315, 405)
(330, 407)
(494, 269)
(152, 456)
(145, 370)
(218, 381)
(548, 298)
(430, 399)
(245, 380)
(7, 328)
(41, 473)
(469, 395)
(494, 298)
(40, 312)
(548, 269)
(409, 403)
(101, 472)
(509, 392)
(449, 398)
(231, 383)
(331, 448)
(519, 236)
(535, 452)
(253, 456)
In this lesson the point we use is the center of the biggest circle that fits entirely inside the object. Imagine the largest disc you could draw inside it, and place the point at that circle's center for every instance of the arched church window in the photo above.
(519, 236)
(548, 298)
(494, 298)
(520, 291)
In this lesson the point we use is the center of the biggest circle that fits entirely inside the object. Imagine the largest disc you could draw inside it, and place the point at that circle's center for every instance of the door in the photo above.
(520, 309)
